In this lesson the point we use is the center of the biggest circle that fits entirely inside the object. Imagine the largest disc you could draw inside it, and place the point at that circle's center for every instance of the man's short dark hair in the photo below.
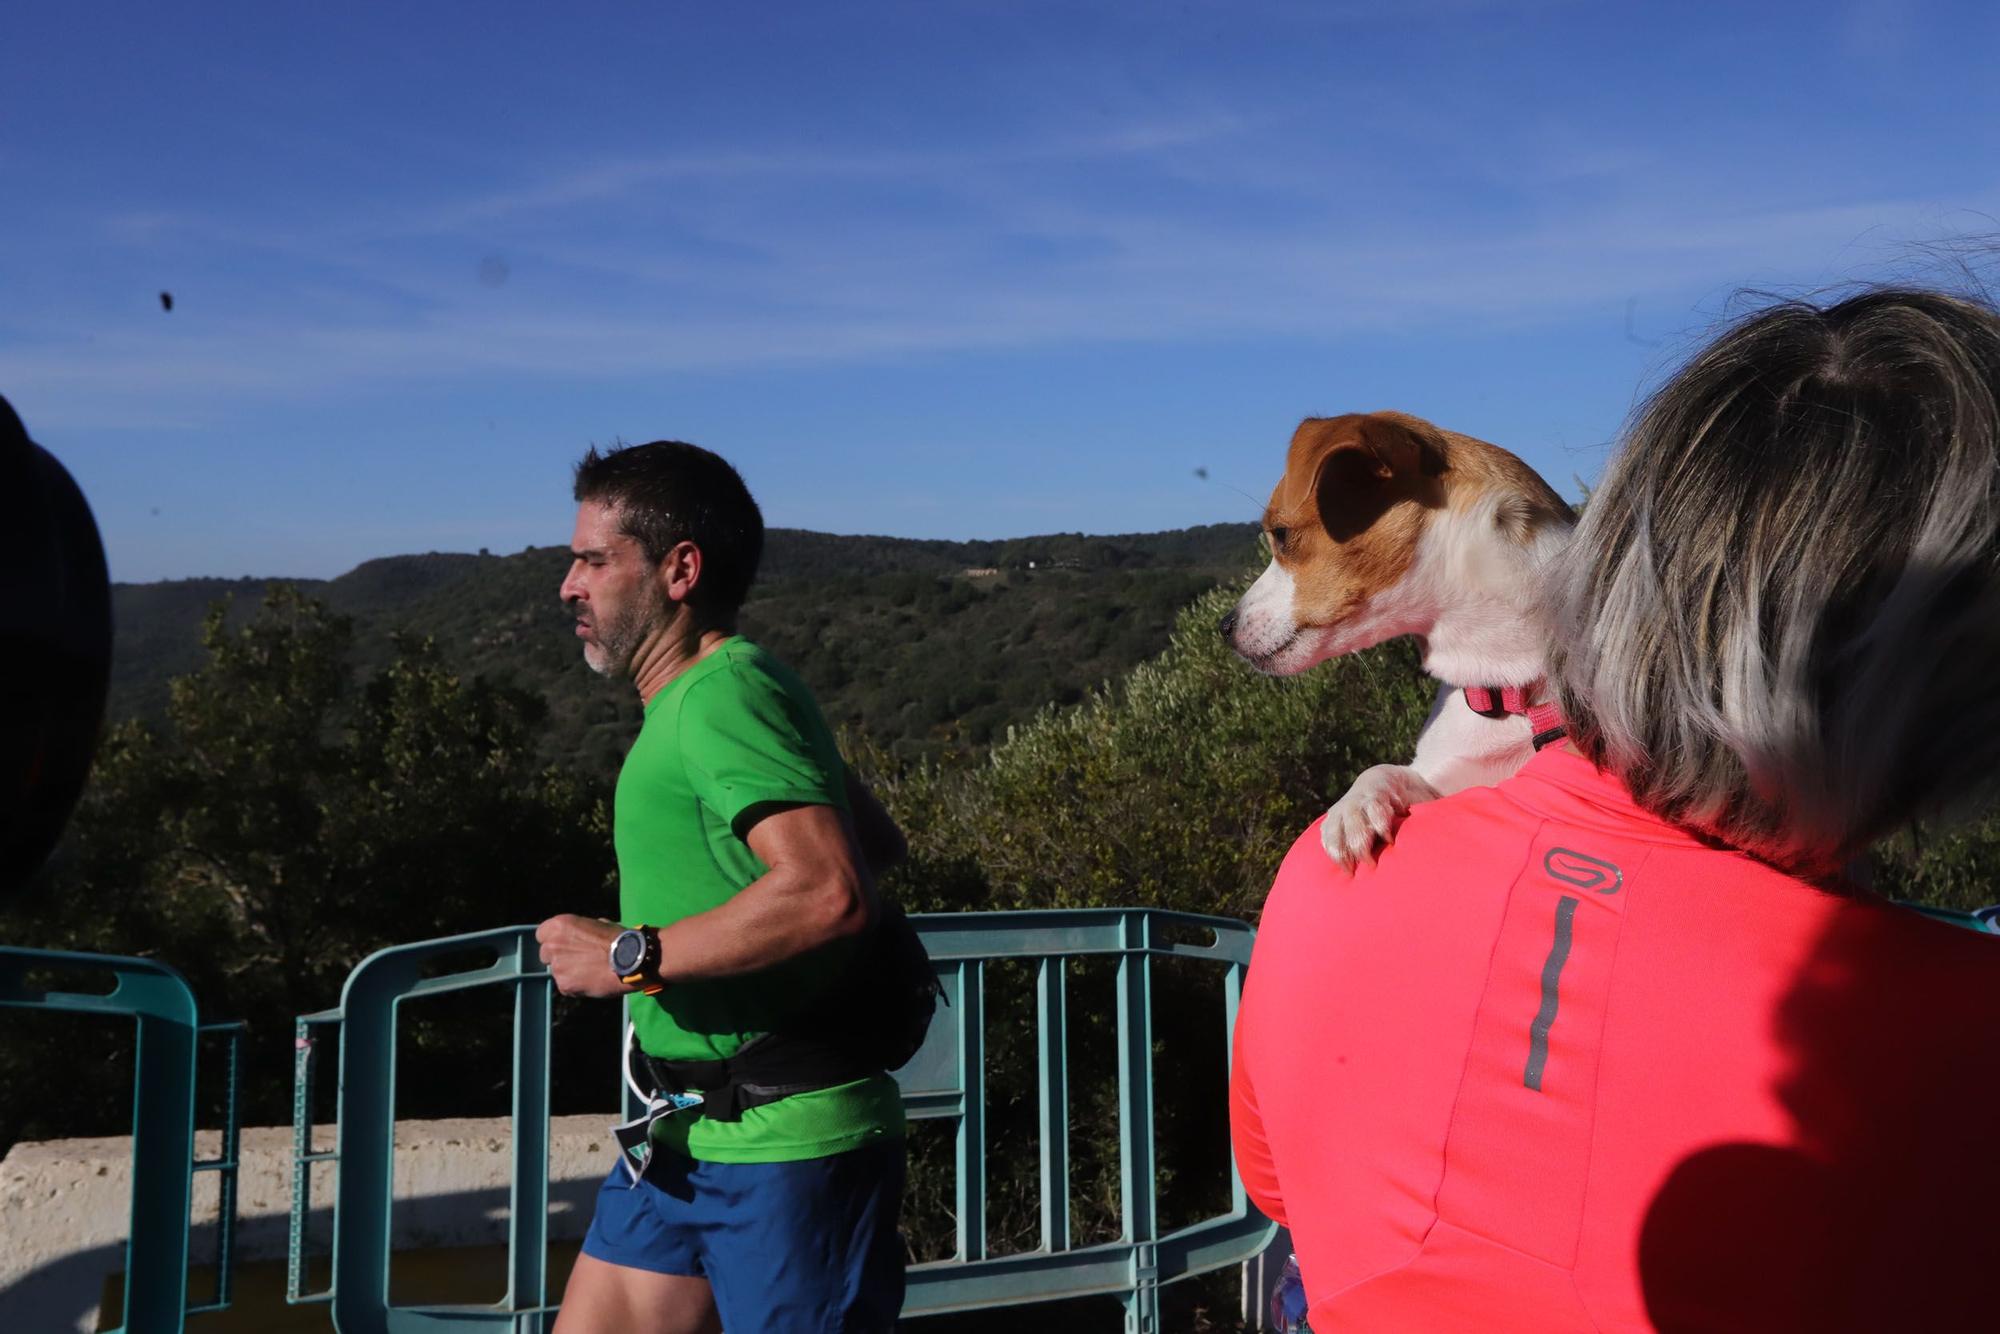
(669, 492)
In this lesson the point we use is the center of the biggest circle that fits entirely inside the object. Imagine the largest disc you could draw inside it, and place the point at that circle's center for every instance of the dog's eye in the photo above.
(1278, 536)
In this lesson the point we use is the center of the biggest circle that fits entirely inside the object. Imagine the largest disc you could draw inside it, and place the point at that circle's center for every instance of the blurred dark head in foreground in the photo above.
(55, 648)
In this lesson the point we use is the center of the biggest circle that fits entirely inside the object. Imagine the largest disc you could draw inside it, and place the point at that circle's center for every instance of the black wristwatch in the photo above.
(635, 957)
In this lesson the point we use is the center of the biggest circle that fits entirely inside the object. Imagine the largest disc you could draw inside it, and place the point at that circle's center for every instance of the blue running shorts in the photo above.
(808, 1246)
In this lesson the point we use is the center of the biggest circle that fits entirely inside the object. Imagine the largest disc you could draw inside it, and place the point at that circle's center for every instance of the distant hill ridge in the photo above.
(887, 631)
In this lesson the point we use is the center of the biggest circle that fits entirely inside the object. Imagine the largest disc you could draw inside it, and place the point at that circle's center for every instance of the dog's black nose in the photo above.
(1228, 622)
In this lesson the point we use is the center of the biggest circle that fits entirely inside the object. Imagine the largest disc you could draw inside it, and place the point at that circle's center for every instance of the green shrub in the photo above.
(1179, 786)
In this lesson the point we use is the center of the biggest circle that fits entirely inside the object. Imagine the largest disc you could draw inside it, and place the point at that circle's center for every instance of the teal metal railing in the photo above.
(160, 1002)
(365, 1136)
(944, 1080)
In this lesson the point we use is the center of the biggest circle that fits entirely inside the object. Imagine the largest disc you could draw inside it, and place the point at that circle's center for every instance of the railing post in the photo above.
(226, 1166)
(1137, 1172)
(305, 1080)
(1053, 1029)
(527, 1253)
(162, 1157)
(1232, 1001)
(971, 1194)
(365, 1139)
(303, 1066)
(1261, 1274)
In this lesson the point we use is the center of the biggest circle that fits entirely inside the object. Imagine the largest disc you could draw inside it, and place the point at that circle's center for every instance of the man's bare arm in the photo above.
(816, 891)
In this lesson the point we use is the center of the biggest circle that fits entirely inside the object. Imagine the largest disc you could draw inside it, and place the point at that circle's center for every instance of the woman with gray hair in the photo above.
(1780, 619)
(1617, 1044)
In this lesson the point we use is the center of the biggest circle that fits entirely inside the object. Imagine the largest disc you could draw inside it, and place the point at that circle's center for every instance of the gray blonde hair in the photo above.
(1779, 619)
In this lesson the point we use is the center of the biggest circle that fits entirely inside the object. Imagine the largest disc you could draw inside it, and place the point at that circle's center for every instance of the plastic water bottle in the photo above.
(1288, 1300)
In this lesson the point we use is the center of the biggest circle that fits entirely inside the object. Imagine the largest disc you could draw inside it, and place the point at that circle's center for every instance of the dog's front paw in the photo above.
(1368, 814)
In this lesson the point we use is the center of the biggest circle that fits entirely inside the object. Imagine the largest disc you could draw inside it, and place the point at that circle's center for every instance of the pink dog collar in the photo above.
(1500, 701)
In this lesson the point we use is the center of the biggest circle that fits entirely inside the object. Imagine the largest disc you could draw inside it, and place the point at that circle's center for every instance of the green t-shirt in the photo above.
(735, 731)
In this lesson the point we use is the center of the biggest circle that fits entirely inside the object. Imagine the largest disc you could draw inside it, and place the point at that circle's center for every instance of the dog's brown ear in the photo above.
(1410, 446)
(1372, 464)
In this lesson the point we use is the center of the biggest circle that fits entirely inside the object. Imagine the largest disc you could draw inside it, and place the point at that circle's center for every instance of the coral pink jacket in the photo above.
(1554, 1064)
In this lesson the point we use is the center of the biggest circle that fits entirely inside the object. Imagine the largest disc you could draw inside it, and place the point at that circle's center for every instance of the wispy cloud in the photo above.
(906, 288)
(1199, 225)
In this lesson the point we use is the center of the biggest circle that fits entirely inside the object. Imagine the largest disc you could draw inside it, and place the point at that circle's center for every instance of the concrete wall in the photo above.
(65, 1205)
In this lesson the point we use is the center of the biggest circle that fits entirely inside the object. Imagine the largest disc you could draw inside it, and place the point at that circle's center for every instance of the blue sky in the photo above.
(930, 269)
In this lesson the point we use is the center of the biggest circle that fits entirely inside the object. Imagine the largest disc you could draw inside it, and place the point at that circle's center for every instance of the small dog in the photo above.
(1386, 525)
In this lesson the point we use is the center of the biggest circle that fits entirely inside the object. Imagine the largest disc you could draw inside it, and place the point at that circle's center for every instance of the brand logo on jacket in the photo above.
(1585, 872)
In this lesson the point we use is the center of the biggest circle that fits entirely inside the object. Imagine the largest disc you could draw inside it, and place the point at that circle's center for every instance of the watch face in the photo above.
(627, 950)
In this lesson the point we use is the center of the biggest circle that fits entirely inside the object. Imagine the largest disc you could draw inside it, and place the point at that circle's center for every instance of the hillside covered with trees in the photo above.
(925, 647)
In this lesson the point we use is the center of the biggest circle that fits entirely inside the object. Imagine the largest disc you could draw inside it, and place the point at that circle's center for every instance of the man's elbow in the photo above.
(839, 907)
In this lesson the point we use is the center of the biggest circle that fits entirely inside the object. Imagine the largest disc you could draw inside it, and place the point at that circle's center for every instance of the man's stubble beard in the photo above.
(616, 643)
